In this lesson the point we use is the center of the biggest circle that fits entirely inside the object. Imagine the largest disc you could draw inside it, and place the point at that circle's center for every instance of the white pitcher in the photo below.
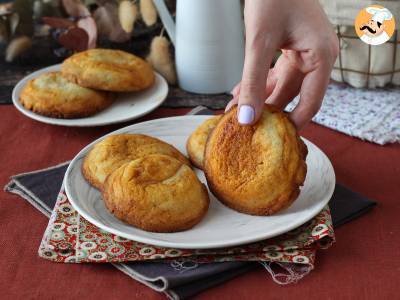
(209, 43)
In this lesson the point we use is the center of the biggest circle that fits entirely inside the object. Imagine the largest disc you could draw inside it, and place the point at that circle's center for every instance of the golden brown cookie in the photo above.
(115, 150)
(109, 70)
(255, 169)
(52, 95)
(197, 141)
(156, 193)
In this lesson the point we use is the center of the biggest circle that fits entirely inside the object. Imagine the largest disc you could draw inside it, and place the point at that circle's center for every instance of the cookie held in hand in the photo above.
(115, 150)
(156, 193)
(52, 95)
(255, 169)
(109, 70)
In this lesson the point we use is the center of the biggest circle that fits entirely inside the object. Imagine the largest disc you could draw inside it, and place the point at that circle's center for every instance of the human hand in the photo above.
(309, 50)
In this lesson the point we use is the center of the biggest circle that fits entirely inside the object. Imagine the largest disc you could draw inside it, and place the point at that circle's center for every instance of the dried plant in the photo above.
(77, 24)
(127, 14)
(75, 8)
(148, 12)
(17, 47)
(161, 60)
(106, 18)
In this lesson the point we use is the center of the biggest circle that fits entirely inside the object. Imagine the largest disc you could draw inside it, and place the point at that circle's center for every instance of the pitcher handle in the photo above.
(166, 19)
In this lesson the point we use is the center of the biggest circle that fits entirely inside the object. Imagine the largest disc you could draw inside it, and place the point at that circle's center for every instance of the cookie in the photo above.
(50, 94)
(109, 70)
(197, 141)
(115, 150)
(255, 169)
(156, 193)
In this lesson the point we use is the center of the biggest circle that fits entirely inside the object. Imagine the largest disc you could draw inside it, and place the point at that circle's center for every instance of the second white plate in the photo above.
(127, 106)
(222, 226)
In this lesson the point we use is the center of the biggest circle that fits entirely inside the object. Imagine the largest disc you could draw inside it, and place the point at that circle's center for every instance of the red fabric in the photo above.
(363, 264)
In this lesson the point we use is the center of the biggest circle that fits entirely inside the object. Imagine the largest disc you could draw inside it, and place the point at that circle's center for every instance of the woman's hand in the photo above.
(310, 47)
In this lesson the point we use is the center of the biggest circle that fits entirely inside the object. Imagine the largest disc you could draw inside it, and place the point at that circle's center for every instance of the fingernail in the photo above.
(246, 114)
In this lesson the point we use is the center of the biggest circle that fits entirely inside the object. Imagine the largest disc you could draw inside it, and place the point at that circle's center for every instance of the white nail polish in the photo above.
(246, 114)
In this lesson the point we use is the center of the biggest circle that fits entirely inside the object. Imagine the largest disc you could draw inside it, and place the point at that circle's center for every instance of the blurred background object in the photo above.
(58, 28)
(361, 65)
(39, 33)
(209, 43)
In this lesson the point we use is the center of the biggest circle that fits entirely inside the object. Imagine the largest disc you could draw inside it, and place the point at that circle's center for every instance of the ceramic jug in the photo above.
(209, 43)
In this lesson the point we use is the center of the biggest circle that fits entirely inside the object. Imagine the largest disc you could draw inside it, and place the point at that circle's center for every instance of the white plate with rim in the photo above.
(222, 226)
(127, 106)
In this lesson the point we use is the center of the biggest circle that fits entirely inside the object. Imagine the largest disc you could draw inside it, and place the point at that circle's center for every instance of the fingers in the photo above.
(270, 86)
(286, 90)
(311, 95)
(253, 85)
(260, 47)
(272, 80)
(317, 65)
(288, 84)
(231, 103)
(236, 90)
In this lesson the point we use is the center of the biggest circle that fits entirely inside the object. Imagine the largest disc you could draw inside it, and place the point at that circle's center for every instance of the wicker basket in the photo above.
(359, 64)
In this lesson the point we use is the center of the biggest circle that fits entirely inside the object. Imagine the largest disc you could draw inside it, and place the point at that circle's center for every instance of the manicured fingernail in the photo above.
(246, 114)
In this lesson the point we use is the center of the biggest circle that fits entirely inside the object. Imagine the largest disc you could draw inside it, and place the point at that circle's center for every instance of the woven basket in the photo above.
(359, 64)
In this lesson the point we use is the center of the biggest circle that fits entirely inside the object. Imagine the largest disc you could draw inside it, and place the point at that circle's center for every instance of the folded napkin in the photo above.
(371, 115)
(179, 277)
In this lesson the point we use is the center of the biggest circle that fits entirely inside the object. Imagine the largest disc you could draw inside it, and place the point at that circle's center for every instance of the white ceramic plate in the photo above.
(126, 107)
(222, 226)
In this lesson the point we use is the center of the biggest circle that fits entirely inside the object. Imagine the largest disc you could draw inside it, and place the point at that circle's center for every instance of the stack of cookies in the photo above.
(146, 182)
(86, 84)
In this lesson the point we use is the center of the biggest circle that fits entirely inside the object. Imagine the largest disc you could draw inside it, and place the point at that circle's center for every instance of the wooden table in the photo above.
(363, 264)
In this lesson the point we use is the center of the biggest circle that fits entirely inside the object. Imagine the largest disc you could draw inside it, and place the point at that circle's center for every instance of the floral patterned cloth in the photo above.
(69, 238)
(372, 115)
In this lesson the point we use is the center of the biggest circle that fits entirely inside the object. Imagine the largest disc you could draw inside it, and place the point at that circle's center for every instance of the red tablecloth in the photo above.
(363, 264)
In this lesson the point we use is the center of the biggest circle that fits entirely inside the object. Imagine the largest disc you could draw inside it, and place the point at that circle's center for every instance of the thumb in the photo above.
(252, 88)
